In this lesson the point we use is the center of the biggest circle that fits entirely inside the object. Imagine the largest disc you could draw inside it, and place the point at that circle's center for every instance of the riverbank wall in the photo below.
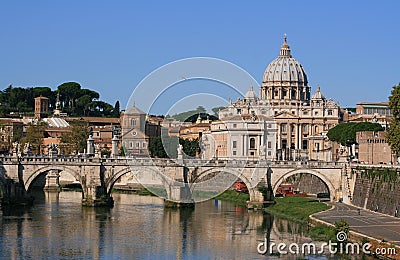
(377, 189)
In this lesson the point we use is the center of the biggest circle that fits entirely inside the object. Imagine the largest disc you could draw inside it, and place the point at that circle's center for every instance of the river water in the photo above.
(138, 227)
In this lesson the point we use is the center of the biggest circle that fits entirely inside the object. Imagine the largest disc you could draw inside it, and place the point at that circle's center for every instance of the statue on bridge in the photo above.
(16, 150)
(27, 149)
(52, 149)
(180, 151)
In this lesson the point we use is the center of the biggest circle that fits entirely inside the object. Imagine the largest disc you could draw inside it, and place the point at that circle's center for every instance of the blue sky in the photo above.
(349, 48)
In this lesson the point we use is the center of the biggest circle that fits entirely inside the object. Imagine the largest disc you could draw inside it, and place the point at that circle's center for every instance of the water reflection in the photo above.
(137, 227)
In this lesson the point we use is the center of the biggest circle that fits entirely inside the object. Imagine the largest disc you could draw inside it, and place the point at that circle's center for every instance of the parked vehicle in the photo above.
(239, 186)
(285, 189)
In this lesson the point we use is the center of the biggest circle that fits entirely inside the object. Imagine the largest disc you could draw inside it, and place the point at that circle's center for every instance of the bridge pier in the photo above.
(52, 181)
(180, 197)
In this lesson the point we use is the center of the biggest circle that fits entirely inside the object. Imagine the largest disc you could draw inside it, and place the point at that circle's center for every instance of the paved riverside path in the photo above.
(369, 223)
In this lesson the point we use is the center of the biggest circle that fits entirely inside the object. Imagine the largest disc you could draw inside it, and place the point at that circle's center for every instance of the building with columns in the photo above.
(246, 130)
(302, 120)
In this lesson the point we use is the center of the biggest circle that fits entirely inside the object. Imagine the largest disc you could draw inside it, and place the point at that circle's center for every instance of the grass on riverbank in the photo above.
(239, 198)
(296, 209)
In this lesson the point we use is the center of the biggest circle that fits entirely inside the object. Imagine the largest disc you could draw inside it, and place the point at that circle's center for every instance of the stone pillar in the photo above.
(114, 146)
(52, 181)
(94, 193)
(90, 146)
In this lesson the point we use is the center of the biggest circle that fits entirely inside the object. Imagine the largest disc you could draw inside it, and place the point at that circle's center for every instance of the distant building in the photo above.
(377, 112)
(373, 148)
(244, 136)
(41, 107)
(10, 131)
(195, 130)
(102, 129)
(134, 138)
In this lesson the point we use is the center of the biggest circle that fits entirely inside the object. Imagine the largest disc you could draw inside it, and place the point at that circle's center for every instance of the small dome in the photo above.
(318, 94)
(285, 68)
(251, 94)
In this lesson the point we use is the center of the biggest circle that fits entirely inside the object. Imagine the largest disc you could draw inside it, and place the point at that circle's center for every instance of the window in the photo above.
(330, 112)
(234, 125)
(252, 143)
(239, 111)
(234, 144)
(305, 128)
(133, 121)
(269, 153)
(305, 144)
(134, 133)
(234, 152)
(144, 144)
(269, 145)
(130, 144)
(316, 113)
(283, 128)
(137, 144)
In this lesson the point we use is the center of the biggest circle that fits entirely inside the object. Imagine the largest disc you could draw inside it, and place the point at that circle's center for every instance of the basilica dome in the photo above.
(285, 68)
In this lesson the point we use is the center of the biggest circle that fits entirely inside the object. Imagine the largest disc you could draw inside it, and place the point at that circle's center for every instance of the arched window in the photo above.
(252, 143)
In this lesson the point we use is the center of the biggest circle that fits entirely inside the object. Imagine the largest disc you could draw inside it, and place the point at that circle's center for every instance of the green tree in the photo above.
(75, 140)
(35, 133)
(393, 133)
(69, 92)
(185, 115)
(116, 110)
(217, 109)
(158, 147)
(345, 133)
(190, 147)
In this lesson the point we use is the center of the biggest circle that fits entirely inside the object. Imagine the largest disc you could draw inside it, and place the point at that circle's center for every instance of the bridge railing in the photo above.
(144, 161)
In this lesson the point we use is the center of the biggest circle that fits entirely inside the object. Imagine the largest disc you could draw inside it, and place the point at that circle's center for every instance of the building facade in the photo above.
(134, 139)
(373, 148)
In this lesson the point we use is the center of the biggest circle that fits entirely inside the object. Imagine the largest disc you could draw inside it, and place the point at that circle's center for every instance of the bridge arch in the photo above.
(322, 177)
(253, 192)
(113, 179)
(28, 182)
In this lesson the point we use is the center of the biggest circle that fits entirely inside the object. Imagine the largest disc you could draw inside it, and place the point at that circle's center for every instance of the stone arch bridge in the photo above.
(98, 175)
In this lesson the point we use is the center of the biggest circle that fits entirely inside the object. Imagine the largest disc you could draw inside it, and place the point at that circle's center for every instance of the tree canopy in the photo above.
(185, 115)
(74, 100)
(345, 133)
(157, 149)
(35, 132)
(393, 133)
(75, 140)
